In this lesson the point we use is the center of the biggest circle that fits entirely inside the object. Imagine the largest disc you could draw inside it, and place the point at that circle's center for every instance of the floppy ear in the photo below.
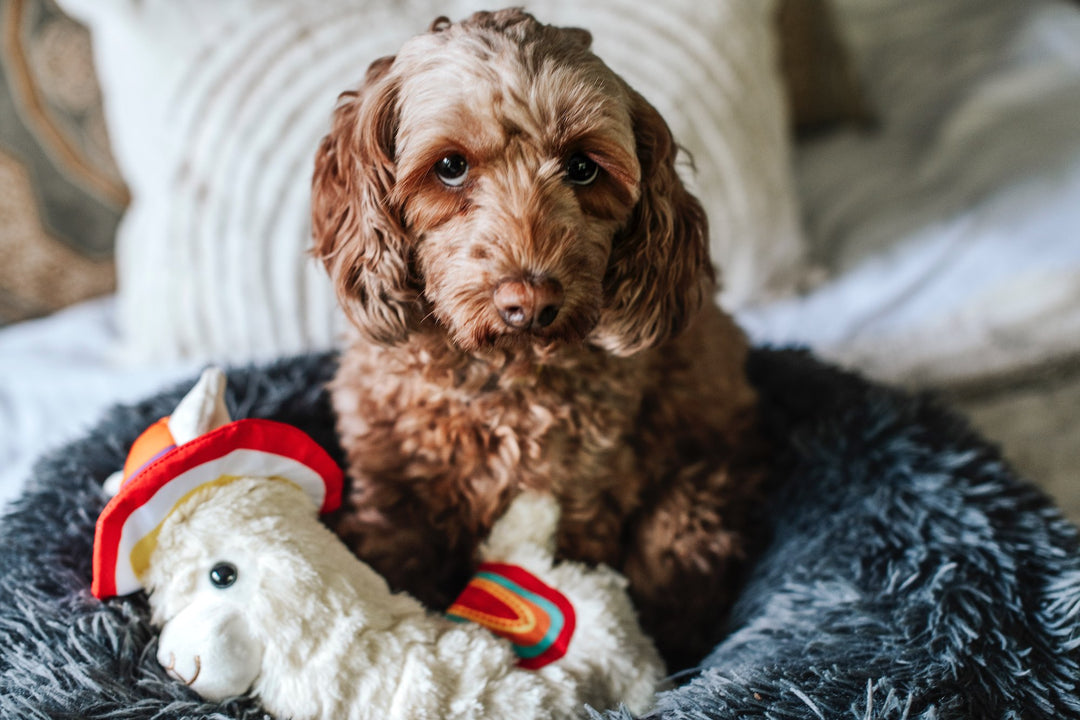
(659, 272)
(358, 236)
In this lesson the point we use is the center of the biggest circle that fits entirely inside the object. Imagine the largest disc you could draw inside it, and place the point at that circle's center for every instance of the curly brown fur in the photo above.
(516, 329)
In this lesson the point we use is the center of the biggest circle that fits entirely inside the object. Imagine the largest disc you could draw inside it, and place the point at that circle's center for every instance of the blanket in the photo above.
(910, 573)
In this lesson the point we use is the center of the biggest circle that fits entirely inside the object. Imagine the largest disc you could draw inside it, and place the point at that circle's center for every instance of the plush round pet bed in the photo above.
(909, 575)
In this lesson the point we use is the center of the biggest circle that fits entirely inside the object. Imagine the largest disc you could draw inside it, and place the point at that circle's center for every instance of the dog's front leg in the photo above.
(430, 560)
(687, 552)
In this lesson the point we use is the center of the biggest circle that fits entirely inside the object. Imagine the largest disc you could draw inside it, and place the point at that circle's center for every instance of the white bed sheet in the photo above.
(57, 375)
(951, 233)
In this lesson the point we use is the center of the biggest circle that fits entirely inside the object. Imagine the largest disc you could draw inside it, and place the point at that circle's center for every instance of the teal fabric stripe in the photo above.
(553, 612)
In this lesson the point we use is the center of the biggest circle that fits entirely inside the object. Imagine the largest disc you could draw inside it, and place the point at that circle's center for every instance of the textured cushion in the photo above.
(217, 108)
(60, 192)
(910, 573)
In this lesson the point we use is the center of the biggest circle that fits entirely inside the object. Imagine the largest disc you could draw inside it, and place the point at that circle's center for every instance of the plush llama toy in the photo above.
(218, 521)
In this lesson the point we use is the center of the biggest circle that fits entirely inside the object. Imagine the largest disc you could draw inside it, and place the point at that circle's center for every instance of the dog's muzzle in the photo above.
(529, 303)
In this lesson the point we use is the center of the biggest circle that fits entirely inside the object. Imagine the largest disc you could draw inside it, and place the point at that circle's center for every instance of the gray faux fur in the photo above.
(910, 574)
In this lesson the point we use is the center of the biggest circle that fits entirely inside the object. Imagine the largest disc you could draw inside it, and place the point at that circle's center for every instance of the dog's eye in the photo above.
(581, 170)
(452, 170)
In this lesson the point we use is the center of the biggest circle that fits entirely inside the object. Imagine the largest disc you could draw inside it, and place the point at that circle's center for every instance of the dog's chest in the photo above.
(413, 413)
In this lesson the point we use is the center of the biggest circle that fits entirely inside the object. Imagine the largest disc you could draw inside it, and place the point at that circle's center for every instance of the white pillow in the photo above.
(215, 108)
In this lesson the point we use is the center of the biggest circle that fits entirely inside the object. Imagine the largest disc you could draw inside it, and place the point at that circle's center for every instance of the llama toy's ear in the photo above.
(202, 409)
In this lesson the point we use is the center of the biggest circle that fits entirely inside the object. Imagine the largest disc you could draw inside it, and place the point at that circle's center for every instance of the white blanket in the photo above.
(57, 375)
(952, 232)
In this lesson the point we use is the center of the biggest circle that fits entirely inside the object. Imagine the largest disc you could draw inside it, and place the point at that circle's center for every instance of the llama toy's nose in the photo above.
(529, 303)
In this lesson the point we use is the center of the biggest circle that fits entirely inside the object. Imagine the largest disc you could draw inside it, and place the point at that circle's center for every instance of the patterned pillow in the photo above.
(61, 195)
(217, 107)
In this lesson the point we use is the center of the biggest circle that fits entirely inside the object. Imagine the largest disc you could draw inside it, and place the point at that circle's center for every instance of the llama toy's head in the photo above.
(217, 520)
(246, 581)
(212, 578)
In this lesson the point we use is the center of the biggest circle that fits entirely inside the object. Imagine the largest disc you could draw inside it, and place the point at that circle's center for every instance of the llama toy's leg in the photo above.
(528, 526)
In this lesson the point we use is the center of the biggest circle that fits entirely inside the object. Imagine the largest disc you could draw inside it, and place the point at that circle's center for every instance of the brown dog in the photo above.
(531, 292)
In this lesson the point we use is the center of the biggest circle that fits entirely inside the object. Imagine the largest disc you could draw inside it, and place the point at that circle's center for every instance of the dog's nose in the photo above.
(527, 303)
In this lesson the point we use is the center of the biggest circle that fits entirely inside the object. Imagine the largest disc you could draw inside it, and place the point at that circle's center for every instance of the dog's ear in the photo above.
(659, 272)
(577, 37)
(358, 236)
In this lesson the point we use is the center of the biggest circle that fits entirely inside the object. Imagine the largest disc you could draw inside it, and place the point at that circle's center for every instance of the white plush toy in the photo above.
(218, 520)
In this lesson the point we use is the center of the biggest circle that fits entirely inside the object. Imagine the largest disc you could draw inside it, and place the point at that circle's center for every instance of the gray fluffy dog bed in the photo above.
(909, 573)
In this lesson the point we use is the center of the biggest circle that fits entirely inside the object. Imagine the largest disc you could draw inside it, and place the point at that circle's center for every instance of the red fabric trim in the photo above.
(480, 600)
(484, 602)
(533, 584)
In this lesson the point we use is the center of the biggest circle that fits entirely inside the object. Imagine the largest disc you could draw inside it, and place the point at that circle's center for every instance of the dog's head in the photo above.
(497, 179)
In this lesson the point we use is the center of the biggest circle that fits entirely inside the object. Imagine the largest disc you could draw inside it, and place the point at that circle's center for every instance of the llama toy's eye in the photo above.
(223, 575)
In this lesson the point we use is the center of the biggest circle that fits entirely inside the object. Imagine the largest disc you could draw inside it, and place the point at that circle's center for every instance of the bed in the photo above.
(938, 250)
